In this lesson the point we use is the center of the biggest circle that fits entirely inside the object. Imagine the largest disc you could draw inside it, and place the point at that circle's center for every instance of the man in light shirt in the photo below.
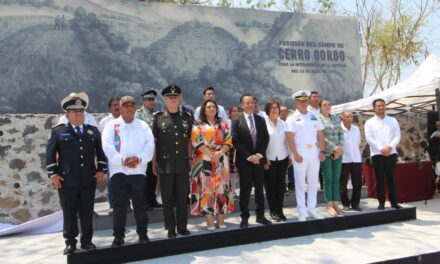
(113, 106)
(209, 93)
(351, 163)
(314, 103)
(382, 133)
(129, 145)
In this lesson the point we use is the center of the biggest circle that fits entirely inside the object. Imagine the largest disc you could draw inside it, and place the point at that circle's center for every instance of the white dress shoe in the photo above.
(222, 226)
(315, 215)
(302, 217)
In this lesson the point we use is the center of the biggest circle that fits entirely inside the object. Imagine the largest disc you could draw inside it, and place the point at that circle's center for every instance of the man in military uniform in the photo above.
(74, 174)
(172, 130)
(145, 113)
(306, 143)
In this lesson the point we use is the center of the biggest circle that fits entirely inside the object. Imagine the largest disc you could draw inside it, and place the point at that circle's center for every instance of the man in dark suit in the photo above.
(74, 173)
(250, 138)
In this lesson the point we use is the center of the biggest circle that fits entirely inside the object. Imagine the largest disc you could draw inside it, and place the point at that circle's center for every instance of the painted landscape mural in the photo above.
(109, 47)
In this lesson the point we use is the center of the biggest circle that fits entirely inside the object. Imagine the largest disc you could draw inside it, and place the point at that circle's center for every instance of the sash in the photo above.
(117, 138)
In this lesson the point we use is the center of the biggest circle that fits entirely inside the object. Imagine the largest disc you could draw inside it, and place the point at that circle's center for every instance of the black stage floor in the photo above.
(198, 241)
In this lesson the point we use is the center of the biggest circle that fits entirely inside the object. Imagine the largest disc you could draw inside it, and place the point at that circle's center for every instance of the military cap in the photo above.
(149, 94)
(75, 101)
(127, 99)
(171, 90)
(301, 95)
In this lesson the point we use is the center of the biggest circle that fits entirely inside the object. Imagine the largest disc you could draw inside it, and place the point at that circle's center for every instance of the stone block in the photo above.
(22, 215)
(9, 202)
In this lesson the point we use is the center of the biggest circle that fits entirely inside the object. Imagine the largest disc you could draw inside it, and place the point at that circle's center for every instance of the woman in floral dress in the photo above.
(211, 193)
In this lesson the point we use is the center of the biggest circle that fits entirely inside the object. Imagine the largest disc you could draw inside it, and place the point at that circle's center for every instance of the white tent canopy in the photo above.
(415, 94)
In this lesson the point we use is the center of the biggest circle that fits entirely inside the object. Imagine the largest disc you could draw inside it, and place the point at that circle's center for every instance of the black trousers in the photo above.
(150, 185)
(77, 201)
(385, 168)
(251, 174)
(175, 190)
(353, 170)
(275, 183)
(124, 188)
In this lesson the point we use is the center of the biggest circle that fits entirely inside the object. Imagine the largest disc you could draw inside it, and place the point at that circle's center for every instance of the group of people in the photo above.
(199, 156)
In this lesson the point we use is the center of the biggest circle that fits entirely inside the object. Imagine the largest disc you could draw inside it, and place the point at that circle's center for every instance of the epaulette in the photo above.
(57, 125)
(188, 113)
(157, 112)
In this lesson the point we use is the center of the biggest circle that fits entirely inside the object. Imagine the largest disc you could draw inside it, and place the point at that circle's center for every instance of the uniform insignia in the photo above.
(90, 132)
(298, 119)
(78, 102)
(313, 118)
(65, 135)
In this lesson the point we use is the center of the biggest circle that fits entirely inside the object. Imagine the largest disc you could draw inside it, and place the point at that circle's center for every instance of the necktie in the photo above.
(78, 131)
(253, 130)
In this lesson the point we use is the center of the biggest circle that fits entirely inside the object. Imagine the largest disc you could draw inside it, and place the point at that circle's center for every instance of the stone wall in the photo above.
(26, 192)
(413, 131)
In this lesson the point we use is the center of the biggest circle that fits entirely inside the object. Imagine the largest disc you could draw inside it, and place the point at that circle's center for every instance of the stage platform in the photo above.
(201, 239)
(104, 221)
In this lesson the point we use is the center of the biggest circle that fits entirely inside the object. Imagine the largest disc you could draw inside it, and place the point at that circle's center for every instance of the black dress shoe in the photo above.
(263, 220)
(381, 207)
(70, 249)
(156, 204)
(171, 233)
(357, 208)
(244, 223)
(117, 242)
(143, 239)
(184, 232)
(88, 246)
(396, 206)
(274, 217)
(282, 216)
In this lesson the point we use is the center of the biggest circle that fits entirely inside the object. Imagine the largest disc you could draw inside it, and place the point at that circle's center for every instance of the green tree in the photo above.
(391, 39)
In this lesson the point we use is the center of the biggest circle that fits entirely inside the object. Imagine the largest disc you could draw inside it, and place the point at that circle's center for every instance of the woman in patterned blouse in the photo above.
(331, 166)
(211, 193)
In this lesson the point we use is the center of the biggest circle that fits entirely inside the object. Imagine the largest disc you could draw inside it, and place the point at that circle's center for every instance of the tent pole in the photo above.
(437, 99)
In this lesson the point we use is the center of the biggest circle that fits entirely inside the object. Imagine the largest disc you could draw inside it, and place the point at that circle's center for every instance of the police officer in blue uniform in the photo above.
(70, 159)
(172, 131)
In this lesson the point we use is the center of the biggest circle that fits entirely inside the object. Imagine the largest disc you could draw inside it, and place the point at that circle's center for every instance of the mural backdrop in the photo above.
(110, 47)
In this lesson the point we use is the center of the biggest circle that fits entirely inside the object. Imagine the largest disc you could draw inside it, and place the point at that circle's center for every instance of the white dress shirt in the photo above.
(104, 122)
(262, 114)
(352, 142)
(136, 139)
(381, 133)
(221, 113)
(315, 111)
(305, 127)
(89, 120)
(277, 148)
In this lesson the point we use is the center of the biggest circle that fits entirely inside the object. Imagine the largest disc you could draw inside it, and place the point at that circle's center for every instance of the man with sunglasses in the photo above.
(145, 113)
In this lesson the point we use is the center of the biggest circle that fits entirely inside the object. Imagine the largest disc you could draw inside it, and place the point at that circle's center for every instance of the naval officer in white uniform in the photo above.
(306, 144)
